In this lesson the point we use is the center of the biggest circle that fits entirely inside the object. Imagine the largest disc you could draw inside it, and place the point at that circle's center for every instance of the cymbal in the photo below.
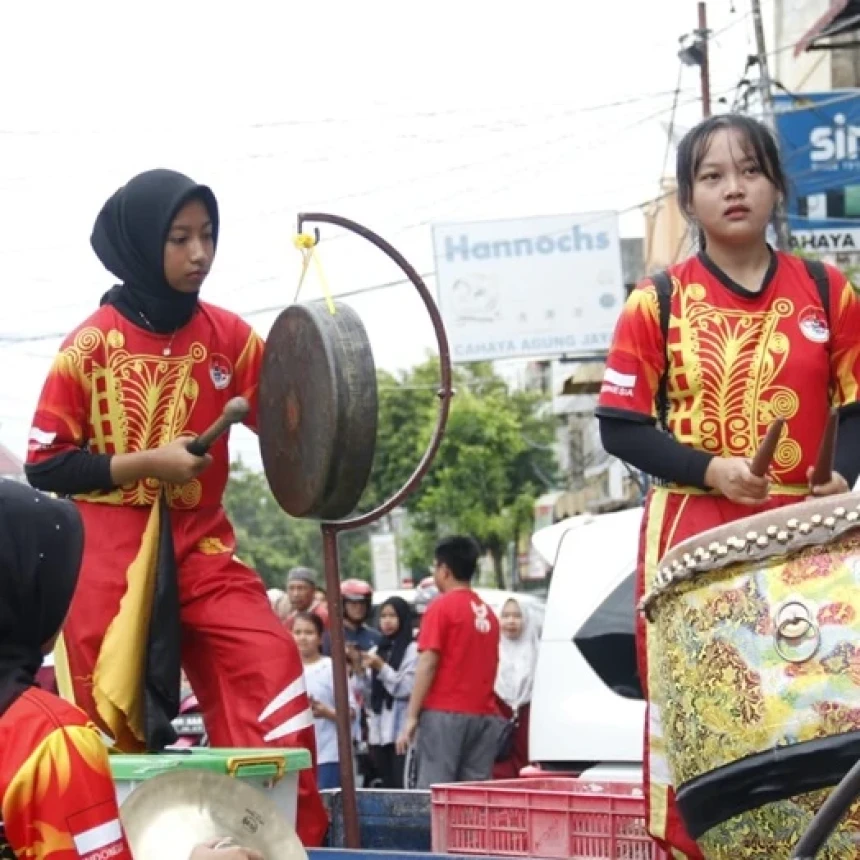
(168, 815)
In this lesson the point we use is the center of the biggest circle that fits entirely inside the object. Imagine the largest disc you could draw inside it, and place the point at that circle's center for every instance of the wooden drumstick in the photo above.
(823, 470)
(235, 411)
(764, 456)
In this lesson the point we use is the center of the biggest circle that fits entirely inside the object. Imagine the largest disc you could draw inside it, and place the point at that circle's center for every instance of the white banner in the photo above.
(544, 286)
(383, 554)
(830, 241)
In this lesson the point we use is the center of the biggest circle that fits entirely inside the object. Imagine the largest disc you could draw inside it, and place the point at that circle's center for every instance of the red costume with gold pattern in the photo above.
(738, 360)
(116, 388)
(58, 798)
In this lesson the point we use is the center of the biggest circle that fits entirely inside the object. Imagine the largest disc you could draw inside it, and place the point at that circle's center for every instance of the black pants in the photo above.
(389, 765)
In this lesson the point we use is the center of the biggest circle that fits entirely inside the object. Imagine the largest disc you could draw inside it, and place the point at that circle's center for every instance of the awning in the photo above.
(843, 16)
(548, 500)
(585, 379)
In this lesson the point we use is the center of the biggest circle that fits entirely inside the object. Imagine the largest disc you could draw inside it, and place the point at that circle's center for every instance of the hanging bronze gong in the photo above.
(318, 410)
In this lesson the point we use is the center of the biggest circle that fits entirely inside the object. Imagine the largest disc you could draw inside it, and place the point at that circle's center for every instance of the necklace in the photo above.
(168, 349)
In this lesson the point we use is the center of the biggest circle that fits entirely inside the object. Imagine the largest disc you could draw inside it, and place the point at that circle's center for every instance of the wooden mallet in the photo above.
(764, 456)
(822, 472)
(235, 411)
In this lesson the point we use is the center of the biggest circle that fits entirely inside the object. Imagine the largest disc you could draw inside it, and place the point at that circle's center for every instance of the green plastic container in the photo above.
(273, 770)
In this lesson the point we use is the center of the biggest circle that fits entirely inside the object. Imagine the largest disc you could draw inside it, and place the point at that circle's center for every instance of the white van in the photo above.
(587, 707)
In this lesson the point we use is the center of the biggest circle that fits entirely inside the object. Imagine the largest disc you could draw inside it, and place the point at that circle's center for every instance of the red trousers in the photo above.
(671, 517)
(243, 666)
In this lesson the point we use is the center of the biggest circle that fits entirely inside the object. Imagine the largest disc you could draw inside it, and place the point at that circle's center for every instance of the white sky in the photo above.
(397, 114)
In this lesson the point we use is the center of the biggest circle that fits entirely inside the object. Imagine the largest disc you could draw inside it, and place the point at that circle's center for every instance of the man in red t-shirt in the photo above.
(452, 707)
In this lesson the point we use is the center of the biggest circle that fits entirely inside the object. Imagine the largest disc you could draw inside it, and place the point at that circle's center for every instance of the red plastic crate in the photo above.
(569, 819)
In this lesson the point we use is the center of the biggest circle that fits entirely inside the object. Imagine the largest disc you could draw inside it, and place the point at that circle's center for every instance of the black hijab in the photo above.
(392, 650)
(41, 546)
(129, 237)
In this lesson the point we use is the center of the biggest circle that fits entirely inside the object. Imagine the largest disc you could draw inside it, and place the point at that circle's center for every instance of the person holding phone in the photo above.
(391, 669)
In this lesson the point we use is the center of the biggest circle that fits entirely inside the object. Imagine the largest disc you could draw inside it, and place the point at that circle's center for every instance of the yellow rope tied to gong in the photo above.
(307, 246)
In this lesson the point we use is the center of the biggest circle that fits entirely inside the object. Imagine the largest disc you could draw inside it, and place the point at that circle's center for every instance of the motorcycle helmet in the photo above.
(358, 591)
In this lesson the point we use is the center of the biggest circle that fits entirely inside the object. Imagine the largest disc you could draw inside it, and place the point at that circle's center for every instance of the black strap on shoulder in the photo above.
(818, 272)
(663, 284)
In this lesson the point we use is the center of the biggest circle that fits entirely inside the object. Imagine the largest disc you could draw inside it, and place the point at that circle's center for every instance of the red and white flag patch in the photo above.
(97, 832)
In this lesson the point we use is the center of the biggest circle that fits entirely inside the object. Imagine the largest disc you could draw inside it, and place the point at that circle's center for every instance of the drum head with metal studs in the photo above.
(318, 410)
(168, 815)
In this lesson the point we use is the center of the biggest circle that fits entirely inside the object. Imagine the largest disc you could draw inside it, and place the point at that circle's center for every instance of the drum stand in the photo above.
(828, 817)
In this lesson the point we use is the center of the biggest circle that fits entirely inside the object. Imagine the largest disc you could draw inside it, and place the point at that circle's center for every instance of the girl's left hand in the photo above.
(321, 711)
(372, 661)
(836, 485)
(353, 657)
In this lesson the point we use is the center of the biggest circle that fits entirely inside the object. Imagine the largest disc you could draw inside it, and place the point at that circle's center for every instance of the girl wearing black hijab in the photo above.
(57, 796)
(392, 669)
(151, 368)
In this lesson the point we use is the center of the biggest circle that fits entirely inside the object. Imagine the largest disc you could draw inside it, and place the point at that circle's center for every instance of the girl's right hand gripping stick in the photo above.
(764, 456)
(235, 411)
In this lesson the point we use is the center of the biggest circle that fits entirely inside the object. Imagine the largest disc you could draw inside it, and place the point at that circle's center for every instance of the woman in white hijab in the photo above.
(518, 648)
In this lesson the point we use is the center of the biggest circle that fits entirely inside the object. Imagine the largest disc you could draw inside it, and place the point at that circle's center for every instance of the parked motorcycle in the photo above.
(189, 725)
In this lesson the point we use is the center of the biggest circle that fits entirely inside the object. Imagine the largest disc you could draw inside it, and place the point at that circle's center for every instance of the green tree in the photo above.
(408, 406)
(272, 542)
(495, 458)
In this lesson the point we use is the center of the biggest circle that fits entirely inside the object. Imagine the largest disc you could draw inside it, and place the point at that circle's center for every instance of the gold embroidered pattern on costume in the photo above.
(137, 403)
(722, 378)
(212, 546)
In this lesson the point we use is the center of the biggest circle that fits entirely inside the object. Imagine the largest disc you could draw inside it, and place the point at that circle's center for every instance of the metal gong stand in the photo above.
(317, 429)
(826, 820)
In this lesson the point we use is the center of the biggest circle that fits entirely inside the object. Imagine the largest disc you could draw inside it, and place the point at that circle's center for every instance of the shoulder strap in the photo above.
(818, 272)
(663, 284)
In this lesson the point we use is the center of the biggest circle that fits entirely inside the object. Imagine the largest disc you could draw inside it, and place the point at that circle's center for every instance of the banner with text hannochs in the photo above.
(542, 286)
(819, 135)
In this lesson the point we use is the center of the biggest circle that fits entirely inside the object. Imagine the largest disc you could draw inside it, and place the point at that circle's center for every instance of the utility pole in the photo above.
(783, 235)
(704, 70)
(695, 53)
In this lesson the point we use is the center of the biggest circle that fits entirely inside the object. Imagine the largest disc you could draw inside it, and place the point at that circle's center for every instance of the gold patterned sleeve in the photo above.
(61, 805)
(635, 361)
(845, 346)
(61, 419)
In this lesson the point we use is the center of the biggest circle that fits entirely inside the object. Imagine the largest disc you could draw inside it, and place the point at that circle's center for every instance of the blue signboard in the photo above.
(820, 143)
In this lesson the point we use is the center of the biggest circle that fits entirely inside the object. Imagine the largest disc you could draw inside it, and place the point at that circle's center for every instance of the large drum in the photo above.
(756, 671)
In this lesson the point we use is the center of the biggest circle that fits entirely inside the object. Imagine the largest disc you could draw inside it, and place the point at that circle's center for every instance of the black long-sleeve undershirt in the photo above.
(641, 445)
(847, 459)
(72, 472)
(655, 453)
